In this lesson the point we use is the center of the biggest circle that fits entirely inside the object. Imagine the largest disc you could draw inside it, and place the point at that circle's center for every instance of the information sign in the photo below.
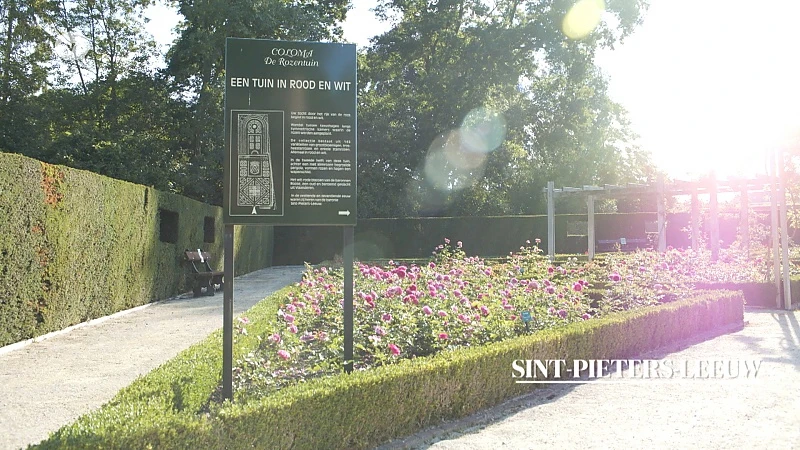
(290, 127)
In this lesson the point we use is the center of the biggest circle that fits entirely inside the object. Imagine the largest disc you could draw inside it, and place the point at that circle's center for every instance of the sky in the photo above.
(709, 85)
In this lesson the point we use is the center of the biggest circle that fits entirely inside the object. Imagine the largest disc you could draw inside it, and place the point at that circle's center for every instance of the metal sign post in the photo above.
(227, 316)
(290, 130)
(347, 261)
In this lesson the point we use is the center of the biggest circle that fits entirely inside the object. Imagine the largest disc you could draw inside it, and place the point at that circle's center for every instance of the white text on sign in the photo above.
(279, 83)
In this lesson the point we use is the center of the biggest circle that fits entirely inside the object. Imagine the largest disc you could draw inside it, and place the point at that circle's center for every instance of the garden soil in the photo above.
(50, 383)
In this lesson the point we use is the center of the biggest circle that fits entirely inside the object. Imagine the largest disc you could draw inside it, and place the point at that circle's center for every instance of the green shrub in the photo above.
(76, 246)
(364, 409)
(755, 294)
(382, 238)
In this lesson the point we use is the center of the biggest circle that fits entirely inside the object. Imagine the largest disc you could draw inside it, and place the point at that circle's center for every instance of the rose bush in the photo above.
(409, 311)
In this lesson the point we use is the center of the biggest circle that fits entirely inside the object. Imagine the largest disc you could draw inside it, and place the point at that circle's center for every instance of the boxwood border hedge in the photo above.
(757, 294)
(169, 408)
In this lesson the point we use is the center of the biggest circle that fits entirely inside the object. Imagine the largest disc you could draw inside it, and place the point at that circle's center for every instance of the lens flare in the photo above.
(482, 130)
(450, 165)
(456, 160)
(460, 155)
(437, 170)
(583, 18)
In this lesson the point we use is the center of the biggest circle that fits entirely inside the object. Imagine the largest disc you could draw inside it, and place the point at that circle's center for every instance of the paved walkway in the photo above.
(763, 412)
(50, 383)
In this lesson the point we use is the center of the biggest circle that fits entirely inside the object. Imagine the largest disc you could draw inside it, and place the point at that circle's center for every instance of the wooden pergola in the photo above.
(773, 183)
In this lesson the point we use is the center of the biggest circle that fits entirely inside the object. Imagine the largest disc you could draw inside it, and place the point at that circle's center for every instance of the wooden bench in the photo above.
(625, 244)
(201, 273)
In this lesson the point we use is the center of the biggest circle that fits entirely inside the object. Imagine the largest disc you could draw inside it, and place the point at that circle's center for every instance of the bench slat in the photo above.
(204, 276)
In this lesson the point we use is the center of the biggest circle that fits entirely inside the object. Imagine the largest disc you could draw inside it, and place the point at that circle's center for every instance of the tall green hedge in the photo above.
(758, 294)
(75, 245)
(484, 236)
(168, 408)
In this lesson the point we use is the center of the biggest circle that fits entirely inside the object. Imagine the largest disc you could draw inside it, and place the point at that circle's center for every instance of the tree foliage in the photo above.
(196, 63)
(26, 53)
(466, 107)
(507, 65)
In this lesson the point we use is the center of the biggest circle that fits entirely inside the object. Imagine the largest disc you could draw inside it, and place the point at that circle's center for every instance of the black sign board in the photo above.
(290, 126)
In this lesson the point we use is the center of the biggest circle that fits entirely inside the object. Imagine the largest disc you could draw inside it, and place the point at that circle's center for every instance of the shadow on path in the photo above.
(758, 411)
(48, 384)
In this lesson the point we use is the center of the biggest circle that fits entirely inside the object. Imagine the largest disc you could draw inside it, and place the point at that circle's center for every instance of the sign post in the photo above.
(290, 130)
(526, 319)
(227, 315)
(347, 305)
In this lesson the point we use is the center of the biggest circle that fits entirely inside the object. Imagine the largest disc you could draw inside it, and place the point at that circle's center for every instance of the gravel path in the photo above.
(763, 412)
(50, 383)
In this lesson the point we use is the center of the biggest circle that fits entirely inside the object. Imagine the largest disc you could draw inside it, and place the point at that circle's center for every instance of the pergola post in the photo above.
(551, 221)
(773, 201)
(695, 221)
(662, 218)
(787, 285)
(744, 221)
(590, 225)
(714, 222)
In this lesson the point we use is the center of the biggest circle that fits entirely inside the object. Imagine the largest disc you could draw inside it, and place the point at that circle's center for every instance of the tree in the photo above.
(100, 107)
(106, 110)
(440, 87)
(26, 48)
(197, 62)
(102, 42)
(143, 145)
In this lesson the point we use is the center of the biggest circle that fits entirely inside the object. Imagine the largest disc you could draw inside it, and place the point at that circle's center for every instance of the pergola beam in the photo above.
(787, 286)
(713, 207)
(551, 221)
(662, 218)
(776, 258)
(590, 225)
(695, 222)
(744, 221)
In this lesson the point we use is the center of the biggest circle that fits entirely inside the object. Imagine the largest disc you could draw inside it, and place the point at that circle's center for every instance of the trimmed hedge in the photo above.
(757, 294)
(166, 409)
(75, 245)
(377, 239)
